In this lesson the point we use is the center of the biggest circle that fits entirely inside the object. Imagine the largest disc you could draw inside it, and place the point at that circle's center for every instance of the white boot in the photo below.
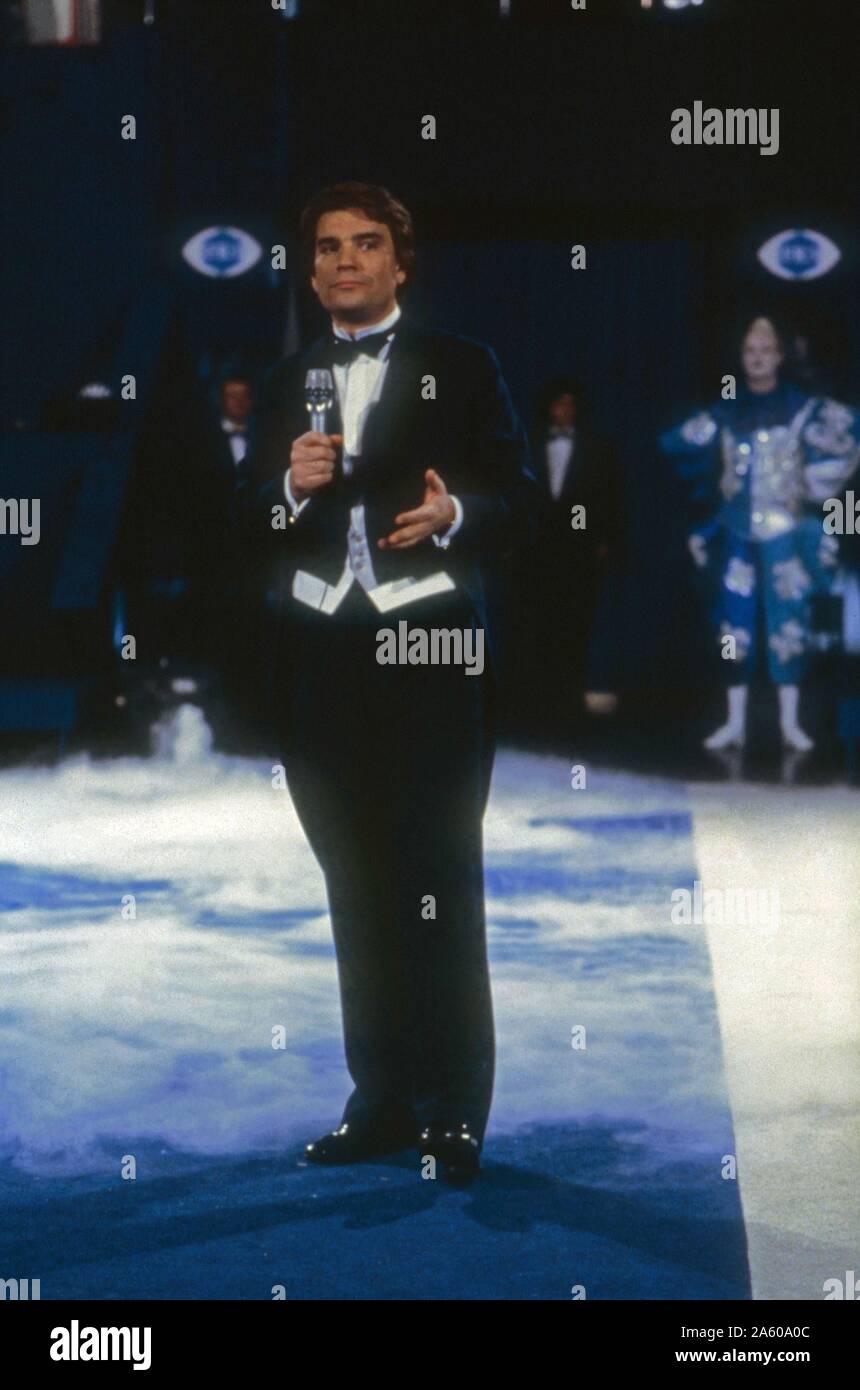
(732, 734)
(792, 734)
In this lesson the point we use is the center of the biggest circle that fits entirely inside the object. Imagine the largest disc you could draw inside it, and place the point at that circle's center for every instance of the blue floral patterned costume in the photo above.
(759, 467)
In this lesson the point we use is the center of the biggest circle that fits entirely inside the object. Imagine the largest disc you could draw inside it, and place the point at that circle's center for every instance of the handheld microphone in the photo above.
(319, 397)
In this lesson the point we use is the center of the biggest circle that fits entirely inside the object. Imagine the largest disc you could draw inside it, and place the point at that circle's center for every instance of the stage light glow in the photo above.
(670, 4)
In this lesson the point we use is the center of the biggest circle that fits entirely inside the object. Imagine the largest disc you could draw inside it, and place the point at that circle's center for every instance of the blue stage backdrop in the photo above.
(78, 234)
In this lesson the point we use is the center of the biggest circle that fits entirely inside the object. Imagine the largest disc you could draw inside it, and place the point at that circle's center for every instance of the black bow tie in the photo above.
(345, 350)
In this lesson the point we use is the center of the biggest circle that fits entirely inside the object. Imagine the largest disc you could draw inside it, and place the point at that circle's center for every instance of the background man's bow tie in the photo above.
(345, 350)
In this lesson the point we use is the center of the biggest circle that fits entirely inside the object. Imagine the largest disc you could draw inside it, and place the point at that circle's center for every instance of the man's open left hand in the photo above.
(436, 513)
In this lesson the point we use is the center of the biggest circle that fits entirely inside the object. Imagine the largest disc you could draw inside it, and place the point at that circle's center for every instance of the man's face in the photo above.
(236, 401)
(761, 357)
(562, 411)
(355, 268)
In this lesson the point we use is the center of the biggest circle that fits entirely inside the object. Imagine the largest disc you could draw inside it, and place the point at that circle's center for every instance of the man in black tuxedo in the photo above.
(235, 410)
(577, 570)
(419, 482)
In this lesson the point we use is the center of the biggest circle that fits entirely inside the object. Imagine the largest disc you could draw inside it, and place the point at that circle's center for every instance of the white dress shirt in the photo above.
(359, 385)
(237, 438)
(559, 452)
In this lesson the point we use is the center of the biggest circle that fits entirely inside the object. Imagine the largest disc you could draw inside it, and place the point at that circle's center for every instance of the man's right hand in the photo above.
(312, 460)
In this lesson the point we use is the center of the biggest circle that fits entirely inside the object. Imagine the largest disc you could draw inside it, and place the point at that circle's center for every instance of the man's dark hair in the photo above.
(554, 387)
(376, 203)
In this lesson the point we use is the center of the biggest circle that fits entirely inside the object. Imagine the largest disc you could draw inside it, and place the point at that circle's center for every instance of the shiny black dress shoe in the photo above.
(456, 1150)
(353, 1143)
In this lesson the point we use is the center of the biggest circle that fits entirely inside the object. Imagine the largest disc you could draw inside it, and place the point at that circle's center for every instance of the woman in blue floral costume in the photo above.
(760, 466)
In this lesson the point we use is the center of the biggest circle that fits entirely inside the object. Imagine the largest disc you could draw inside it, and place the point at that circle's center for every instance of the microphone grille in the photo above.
(319, 391)
(319, 379)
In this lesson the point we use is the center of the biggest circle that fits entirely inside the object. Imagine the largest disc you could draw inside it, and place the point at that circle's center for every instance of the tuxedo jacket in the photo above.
(593, 480)
(221, 454)
(466, 430)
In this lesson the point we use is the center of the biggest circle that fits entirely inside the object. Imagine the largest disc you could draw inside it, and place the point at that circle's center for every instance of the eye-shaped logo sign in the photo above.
(799, 255)
(222, 252)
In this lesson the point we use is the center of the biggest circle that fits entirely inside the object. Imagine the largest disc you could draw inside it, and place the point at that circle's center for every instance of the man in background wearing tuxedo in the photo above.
(236, 403)
(420, 481)
(576, 622)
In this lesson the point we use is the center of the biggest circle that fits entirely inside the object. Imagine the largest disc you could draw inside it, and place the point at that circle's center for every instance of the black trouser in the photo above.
(389, 770)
